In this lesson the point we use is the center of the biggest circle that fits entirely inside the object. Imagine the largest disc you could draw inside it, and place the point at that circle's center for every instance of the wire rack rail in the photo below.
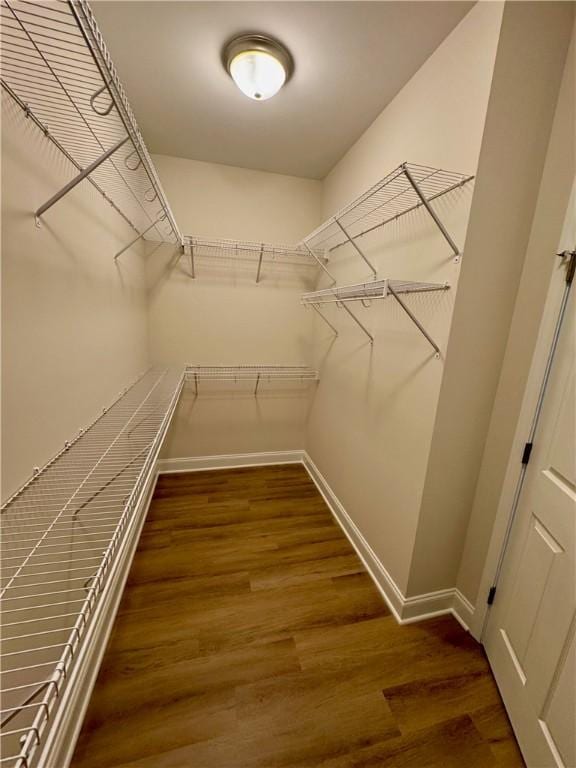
(56, 66)
(405, 189)
(61, 535)
(256, 373)
(377, 289)
(257, 253)
(365, 293)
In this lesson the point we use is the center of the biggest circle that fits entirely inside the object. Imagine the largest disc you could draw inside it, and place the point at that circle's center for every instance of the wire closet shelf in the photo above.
(365, 293)
(405, 189)
(256, 373)
(63, 535)
(57, 68)
(258, 253)
(376, 289)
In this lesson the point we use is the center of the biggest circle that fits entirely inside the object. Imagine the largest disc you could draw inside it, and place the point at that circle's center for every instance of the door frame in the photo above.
(513, 480)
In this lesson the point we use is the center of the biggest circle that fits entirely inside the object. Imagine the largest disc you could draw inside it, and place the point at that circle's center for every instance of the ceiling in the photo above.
(351, 59)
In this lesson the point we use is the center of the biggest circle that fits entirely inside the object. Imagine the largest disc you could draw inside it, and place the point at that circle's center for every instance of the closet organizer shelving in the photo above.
(367, 292)
(406, 188)
(255, 373)
(258, 253)
(67, 537)
(68, 534)
(55, 65)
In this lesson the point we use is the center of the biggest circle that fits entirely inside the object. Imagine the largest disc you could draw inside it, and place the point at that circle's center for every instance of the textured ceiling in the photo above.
(351, 59)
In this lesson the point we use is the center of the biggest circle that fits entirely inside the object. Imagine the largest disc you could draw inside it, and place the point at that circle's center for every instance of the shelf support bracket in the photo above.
(140, 236)
(188, 249)
(414, 320)
(260, 263)
(319, 262)
(355, 244)
(353, 316)
(431, 211)
(316, 309)
(79, 177)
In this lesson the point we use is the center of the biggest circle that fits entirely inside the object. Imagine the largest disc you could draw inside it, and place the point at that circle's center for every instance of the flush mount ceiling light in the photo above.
(258, 65)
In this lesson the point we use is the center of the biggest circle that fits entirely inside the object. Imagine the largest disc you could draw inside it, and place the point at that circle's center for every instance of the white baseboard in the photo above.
(463, 610)
(406, 610)
(197, 463)
(379, 574)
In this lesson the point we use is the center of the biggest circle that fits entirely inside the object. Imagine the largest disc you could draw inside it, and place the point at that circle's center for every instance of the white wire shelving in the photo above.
(367, 292)
(259, 254)
(56, 66)
(405, 189)
(62, 536)
(256, 373)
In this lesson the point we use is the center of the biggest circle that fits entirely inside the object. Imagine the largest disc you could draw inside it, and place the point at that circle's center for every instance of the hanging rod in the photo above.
(256, 372)
(406, 188)
(56, 67)
(366, 292)
(64, 535)
(259, 253)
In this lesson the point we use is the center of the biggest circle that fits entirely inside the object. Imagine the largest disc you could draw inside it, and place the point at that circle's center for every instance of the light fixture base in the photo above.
(256, 42)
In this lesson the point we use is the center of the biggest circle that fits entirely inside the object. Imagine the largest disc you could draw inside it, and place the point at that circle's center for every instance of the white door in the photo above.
(530, 635)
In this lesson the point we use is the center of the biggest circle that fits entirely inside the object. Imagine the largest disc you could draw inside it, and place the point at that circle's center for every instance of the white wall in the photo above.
(221, 201)
(224, 317)
(545, 240)
(437, 119)
(74, 330)
(372, 420)
(527, 75)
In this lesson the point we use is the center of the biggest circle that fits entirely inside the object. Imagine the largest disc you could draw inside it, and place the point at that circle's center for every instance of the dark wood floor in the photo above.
(250, 636)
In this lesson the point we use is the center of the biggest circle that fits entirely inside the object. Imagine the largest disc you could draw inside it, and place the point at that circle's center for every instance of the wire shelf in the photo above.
(392, 197)
(258, 253)
(256, 373)
(61, 534)
(227, 249)
(56, 66)
(365, 293)
(239, 372)
(376, 289)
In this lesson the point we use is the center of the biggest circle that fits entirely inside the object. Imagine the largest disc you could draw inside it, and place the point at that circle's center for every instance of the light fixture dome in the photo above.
(258, 65)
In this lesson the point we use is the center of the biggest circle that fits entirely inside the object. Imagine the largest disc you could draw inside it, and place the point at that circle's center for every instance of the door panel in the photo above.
(530, 633)
(539, 558)
(557, 716)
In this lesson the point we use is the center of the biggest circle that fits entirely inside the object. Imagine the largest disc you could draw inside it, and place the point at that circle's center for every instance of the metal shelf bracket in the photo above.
(317, 310)
(140, 236)
(319, 262)
(79, 177)
(188, 250)
(357, 247)
(353, 316)
(414, 320)
(260, 263)
(431, 211)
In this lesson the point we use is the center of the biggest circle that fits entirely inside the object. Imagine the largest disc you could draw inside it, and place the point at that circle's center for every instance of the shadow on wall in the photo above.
(227, 414)
(227, 269)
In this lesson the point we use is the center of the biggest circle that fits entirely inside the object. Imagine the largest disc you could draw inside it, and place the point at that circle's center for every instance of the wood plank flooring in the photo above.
(250, 636)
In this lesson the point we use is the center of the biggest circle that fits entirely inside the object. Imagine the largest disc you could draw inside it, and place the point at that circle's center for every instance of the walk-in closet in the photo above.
(288, 455)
